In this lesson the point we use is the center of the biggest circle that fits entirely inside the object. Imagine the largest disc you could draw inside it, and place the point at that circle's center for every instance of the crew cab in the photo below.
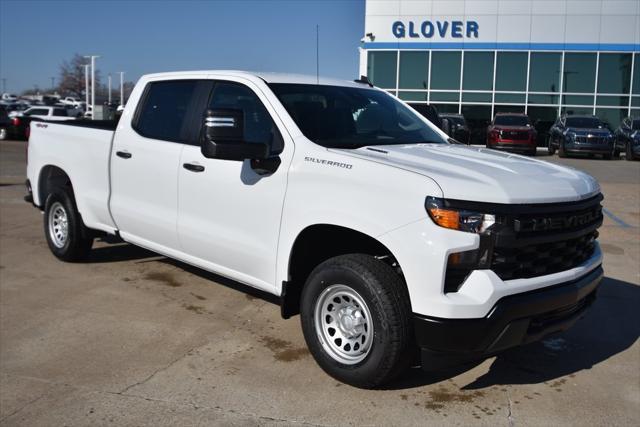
(628, 138)
(581, 135)
(512, 132)
(395, 246)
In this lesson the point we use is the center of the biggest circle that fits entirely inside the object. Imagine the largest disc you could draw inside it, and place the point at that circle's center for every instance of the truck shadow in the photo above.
(611, 326)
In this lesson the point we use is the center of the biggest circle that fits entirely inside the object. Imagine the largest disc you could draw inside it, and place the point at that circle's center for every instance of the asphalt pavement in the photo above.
(133, 338)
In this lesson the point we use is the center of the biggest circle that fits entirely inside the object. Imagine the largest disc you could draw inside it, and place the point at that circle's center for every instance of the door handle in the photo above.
(193, 167)
(123, 154)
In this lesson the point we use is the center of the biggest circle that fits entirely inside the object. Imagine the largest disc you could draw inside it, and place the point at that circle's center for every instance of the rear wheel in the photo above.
(66, 235)
(356, 320)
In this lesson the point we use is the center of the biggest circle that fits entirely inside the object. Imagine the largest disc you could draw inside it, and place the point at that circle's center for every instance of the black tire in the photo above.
(552, 149)
(628, 152)
(391, 348)
(532, 153)
(561, 151)
(607, 156)
(78, 241)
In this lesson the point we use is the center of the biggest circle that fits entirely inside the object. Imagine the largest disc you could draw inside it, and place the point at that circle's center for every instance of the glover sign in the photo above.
(435, 29)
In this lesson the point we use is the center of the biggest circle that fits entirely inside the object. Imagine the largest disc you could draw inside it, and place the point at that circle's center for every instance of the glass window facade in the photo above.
(542, 84)
(445, 70)
(579, 75)
(511, 71)
(414, 70)
(545, 72)
(382, 68)
(478, 71)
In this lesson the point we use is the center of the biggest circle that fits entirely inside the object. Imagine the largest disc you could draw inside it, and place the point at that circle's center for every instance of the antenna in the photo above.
(317, 54)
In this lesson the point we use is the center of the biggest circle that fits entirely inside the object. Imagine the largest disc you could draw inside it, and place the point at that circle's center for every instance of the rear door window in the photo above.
(163, 111)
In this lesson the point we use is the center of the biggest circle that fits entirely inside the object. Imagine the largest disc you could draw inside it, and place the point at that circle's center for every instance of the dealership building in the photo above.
(481, 57)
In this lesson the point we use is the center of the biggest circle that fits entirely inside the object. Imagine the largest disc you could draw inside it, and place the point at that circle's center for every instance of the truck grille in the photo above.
(591, 140)
(529, 240)
(545, 258)
(547, 240)
(517, 135)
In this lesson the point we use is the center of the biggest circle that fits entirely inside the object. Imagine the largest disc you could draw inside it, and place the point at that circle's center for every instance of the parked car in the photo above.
(458, 128)
(581, 134)
(512, 132)
(70, 100)
(429, 112)
(16, 109)
(335, 197)
(8, 97)
(20, 125)
(628, 138)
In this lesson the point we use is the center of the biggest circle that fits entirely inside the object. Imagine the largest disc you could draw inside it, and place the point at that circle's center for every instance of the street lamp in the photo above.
(86, 86)
(93, 85)
(109, 80)
(121, 87)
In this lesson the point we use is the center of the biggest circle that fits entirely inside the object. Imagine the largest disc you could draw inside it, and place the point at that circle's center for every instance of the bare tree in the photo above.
(72, 77)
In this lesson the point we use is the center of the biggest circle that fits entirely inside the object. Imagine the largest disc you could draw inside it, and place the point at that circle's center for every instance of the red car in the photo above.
(512, 132)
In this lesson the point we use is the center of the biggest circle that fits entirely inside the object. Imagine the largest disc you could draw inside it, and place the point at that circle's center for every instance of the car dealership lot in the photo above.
(130, 337)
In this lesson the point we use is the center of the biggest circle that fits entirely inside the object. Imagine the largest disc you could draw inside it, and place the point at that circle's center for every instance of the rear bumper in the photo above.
(514, 320)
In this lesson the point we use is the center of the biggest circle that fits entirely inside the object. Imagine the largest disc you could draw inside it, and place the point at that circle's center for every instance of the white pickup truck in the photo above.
(394, 243)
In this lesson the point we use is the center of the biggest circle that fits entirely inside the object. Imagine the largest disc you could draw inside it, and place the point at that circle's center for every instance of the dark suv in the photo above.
(458, 128)
(512, 132)
(628, 138)
(581, 134)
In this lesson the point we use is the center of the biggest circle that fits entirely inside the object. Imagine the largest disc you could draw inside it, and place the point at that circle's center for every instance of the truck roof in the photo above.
(268, 77)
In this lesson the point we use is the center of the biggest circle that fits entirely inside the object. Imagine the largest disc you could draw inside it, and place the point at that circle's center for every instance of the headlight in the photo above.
(458, 219)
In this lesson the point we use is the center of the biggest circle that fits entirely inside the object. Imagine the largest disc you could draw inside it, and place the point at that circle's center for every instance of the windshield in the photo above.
(349, 117)
(512, 121)
(584, 122)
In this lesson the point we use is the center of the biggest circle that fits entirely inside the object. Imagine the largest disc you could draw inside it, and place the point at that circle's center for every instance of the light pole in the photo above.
(109, 80)
(121, 87)
(53, 84)
(4, 85)
(86, 87)
(93, 85)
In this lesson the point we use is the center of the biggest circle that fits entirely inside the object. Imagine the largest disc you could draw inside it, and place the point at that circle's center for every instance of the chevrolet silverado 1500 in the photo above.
(392, 243)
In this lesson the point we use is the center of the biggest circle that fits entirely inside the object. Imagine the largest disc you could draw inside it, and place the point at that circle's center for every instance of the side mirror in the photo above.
(223, 137)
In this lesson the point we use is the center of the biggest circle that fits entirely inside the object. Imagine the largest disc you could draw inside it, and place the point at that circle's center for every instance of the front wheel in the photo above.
(552, 149)
(356, 320)
(561, 150)
(629, 152)
(66, 235)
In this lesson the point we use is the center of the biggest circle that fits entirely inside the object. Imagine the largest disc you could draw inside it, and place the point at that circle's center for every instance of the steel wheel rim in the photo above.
(343, 324)
(58, 225)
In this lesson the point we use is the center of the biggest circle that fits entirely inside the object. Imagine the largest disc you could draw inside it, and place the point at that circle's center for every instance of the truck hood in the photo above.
(484, 175)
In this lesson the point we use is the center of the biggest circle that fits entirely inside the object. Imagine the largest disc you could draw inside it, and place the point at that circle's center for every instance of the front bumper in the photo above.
(514, 320)
(589, 148)
(514, 146)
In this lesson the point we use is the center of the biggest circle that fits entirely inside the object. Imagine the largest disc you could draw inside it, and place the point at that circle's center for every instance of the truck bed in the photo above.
(81, 148)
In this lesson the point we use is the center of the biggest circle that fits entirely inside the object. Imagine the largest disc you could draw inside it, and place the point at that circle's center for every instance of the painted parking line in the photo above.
(617, 220)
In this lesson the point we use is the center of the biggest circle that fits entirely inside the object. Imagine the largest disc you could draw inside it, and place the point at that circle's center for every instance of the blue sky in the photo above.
(141, 37)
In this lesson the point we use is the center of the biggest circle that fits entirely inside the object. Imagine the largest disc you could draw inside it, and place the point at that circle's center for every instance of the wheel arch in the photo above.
(315, 244)
(51, 177)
